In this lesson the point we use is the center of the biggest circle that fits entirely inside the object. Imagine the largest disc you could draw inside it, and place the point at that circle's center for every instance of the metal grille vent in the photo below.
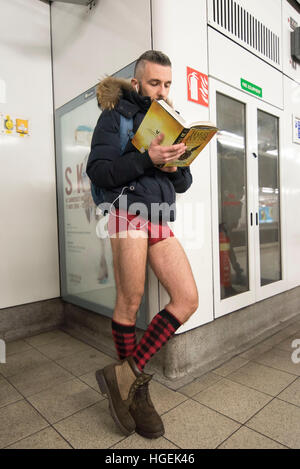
(239, 22)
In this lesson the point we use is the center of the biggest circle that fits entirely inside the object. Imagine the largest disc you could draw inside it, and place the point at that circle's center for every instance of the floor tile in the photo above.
(21, 362)
(8, 394)
(84, 362)
(199, 384)
(230, 366)
(238, 392)
(90, 380)
(91, 428)
(233, 400)
(245, 438)
(287, 344)
(136, 441)
(292, 393)
(192, 426)
(45, 337)
(279, 359)
(17, 421)
(63, 400)
(63, 347)
(279, 421)
(39, 378)
(45, 439)
(17, 346)
(175, 384)
(262, 378)
(164, 398)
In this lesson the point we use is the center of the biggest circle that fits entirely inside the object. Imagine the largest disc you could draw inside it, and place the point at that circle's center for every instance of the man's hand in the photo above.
(160, 154)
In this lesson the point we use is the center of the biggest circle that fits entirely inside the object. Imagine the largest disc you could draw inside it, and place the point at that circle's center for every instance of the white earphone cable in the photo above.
(120, 216)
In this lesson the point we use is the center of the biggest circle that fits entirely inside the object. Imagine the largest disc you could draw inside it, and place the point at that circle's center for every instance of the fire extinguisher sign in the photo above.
(197, 86)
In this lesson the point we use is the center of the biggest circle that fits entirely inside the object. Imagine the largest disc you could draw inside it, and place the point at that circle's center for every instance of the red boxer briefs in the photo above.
(120, 220)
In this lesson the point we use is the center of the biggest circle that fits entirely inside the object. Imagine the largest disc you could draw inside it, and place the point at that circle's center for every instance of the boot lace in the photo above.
(140, 383)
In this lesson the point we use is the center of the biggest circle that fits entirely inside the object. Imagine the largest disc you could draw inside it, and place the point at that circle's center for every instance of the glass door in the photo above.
(269, 198)
(232, 196)
(232, 200)
(247, 231)
(269, 216)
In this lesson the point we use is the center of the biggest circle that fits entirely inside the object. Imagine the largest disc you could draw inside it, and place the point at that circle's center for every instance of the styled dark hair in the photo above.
(154, 56)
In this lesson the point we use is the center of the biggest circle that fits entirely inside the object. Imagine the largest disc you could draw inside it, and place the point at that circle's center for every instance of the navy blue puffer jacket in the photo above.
(132, 174)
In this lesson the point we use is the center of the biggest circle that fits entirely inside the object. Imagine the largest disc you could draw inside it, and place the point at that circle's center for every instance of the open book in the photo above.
(161, 118)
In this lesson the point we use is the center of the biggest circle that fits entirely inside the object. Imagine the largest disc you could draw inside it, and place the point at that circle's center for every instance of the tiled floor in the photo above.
(49, 398)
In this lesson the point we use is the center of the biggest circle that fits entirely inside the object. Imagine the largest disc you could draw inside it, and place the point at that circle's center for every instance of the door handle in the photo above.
(256, 216)
(251, 219)
(255, 155)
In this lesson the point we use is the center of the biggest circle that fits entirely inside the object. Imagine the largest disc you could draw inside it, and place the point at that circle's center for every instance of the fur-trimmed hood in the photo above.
(110, 90)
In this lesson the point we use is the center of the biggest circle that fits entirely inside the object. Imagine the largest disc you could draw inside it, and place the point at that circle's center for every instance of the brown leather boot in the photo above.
(120, 382)
(148, 422)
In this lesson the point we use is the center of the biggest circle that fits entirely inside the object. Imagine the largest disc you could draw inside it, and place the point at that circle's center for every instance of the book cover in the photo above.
(159, 120)
(195, 139)
(156, 121)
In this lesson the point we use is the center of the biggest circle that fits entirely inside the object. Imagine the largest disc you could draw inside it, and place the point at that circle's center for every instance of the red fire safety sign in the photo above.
(197, 87)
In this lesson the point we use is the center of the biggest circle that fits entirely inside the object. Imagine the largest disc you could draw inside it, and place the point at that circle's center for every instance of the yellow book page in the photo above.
(195, 141)
(156, 121)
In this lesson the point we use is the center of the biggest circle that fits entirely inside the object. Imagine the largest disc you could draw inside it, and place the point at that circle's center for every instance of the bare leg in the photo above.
(171, 266)
(129, 258)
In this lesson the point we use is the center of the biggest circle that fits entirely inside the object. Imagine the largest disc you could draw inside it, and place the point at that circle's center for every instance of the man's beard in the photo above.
(141, 92)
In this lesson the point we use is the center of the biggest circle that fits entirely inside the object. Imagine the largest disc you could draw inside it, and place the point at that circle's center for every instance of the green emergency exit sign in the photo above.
(251, 88)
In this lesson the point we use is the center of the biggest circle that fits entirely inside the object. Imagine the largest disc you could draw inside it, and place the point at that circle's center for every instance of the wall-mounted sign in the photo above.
(251, 88)
(22, 126)
(10, 125)
(197, 87)
(296, 129)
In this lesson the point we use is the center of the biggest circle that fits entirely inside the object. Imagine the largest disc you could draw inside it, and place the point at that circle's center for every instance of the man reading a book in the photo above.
(129, 180)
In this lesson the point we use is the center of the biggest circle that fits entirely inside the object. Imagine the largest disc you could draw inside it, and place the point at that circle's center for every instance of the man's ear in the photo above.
(135, 84)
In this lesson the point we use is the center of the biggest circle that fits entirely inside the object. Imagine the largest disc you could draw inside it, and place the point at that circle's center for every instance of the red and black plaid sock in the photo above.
(124, 338)
(159, 331)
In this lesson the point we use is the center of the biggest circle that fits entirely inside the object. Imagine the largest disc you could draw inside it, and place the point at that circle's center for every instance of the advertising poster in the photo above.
(89, 268)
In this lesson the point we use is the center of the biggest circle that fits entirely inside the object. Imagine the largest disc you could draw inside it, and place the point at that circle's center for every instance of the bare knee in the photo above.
(184, 308)
(127, 306)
